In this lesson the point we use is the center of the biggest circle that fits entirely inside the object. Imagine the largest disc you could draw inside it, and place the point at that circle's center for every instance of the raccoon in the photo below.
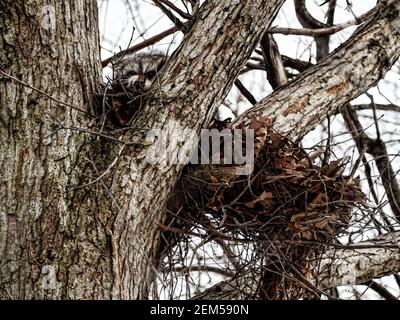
(133, 75)
(138, 71)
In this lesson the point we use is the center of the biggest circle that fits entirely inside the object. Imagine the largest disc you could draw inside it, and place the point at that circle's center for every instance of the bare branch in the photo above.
(245, 92)
(377, 148)
(327, 30)
(140, 46)
(176, 9)
(276, 73)
(335, 267)
(178, 24)
(381, 290)
(347, 73)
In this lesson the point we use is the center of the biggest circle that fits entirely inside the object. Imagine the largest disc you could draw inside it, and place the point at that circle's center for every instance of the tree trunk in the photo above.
(80, 212)
(46, 248)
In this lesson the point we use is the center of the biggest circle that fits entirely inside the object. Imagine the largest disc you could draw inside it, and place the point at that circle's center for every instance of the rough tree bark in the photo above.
(299, 106)
(68, 209)
(345, 74)
(79, 212)
(358, 264)
(52, 46)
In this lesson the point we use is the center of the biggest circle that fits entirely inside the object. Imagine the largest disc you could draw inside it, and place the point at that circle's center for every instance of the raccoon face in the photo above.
(138, 71)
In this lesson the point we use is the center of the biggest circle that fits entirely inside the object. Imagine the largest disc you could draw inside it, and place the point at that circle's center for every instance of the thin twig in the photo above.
(140, 46)
(245, 92)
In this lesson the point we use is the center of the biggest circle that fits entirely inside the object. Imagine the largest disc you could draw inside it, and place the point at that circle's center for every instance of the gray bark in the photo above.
(52, 46)
(193, 85)
(299, 106)
(80, 213)
(358, 264)
(346, 73)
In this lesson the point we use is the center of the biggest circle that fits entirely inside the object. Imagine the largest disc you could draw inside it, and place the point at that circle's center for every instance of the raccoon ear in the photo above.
(116, 72)
(161, 62)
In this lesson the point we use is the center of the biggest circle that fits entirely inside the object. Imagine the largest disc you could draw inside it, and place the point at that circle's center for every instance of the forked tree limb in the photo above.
(345, 74)
(299, 106)
(192, 85)
(100, 236)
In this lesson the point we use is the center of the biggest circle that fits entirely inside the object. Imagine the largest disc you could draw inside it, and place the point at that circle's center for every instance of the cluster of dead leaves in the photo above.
(288, 192)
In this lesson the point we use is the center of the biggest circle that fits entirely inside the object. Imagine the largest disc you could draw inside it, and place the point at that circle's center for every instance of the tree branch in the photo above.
(308, 21)
(348, 72)
(358, 266)
(276, 72)
(140, 46)
(191, 86)
(175, 20)
(336, 267)
(377, 149)
(298, 106)
(383, 107)
(327, 30)
(381, 290)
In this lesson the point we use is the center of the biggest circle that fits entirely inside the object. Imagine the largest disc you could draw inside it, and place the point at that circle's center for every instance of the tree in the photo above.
(82, 210)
